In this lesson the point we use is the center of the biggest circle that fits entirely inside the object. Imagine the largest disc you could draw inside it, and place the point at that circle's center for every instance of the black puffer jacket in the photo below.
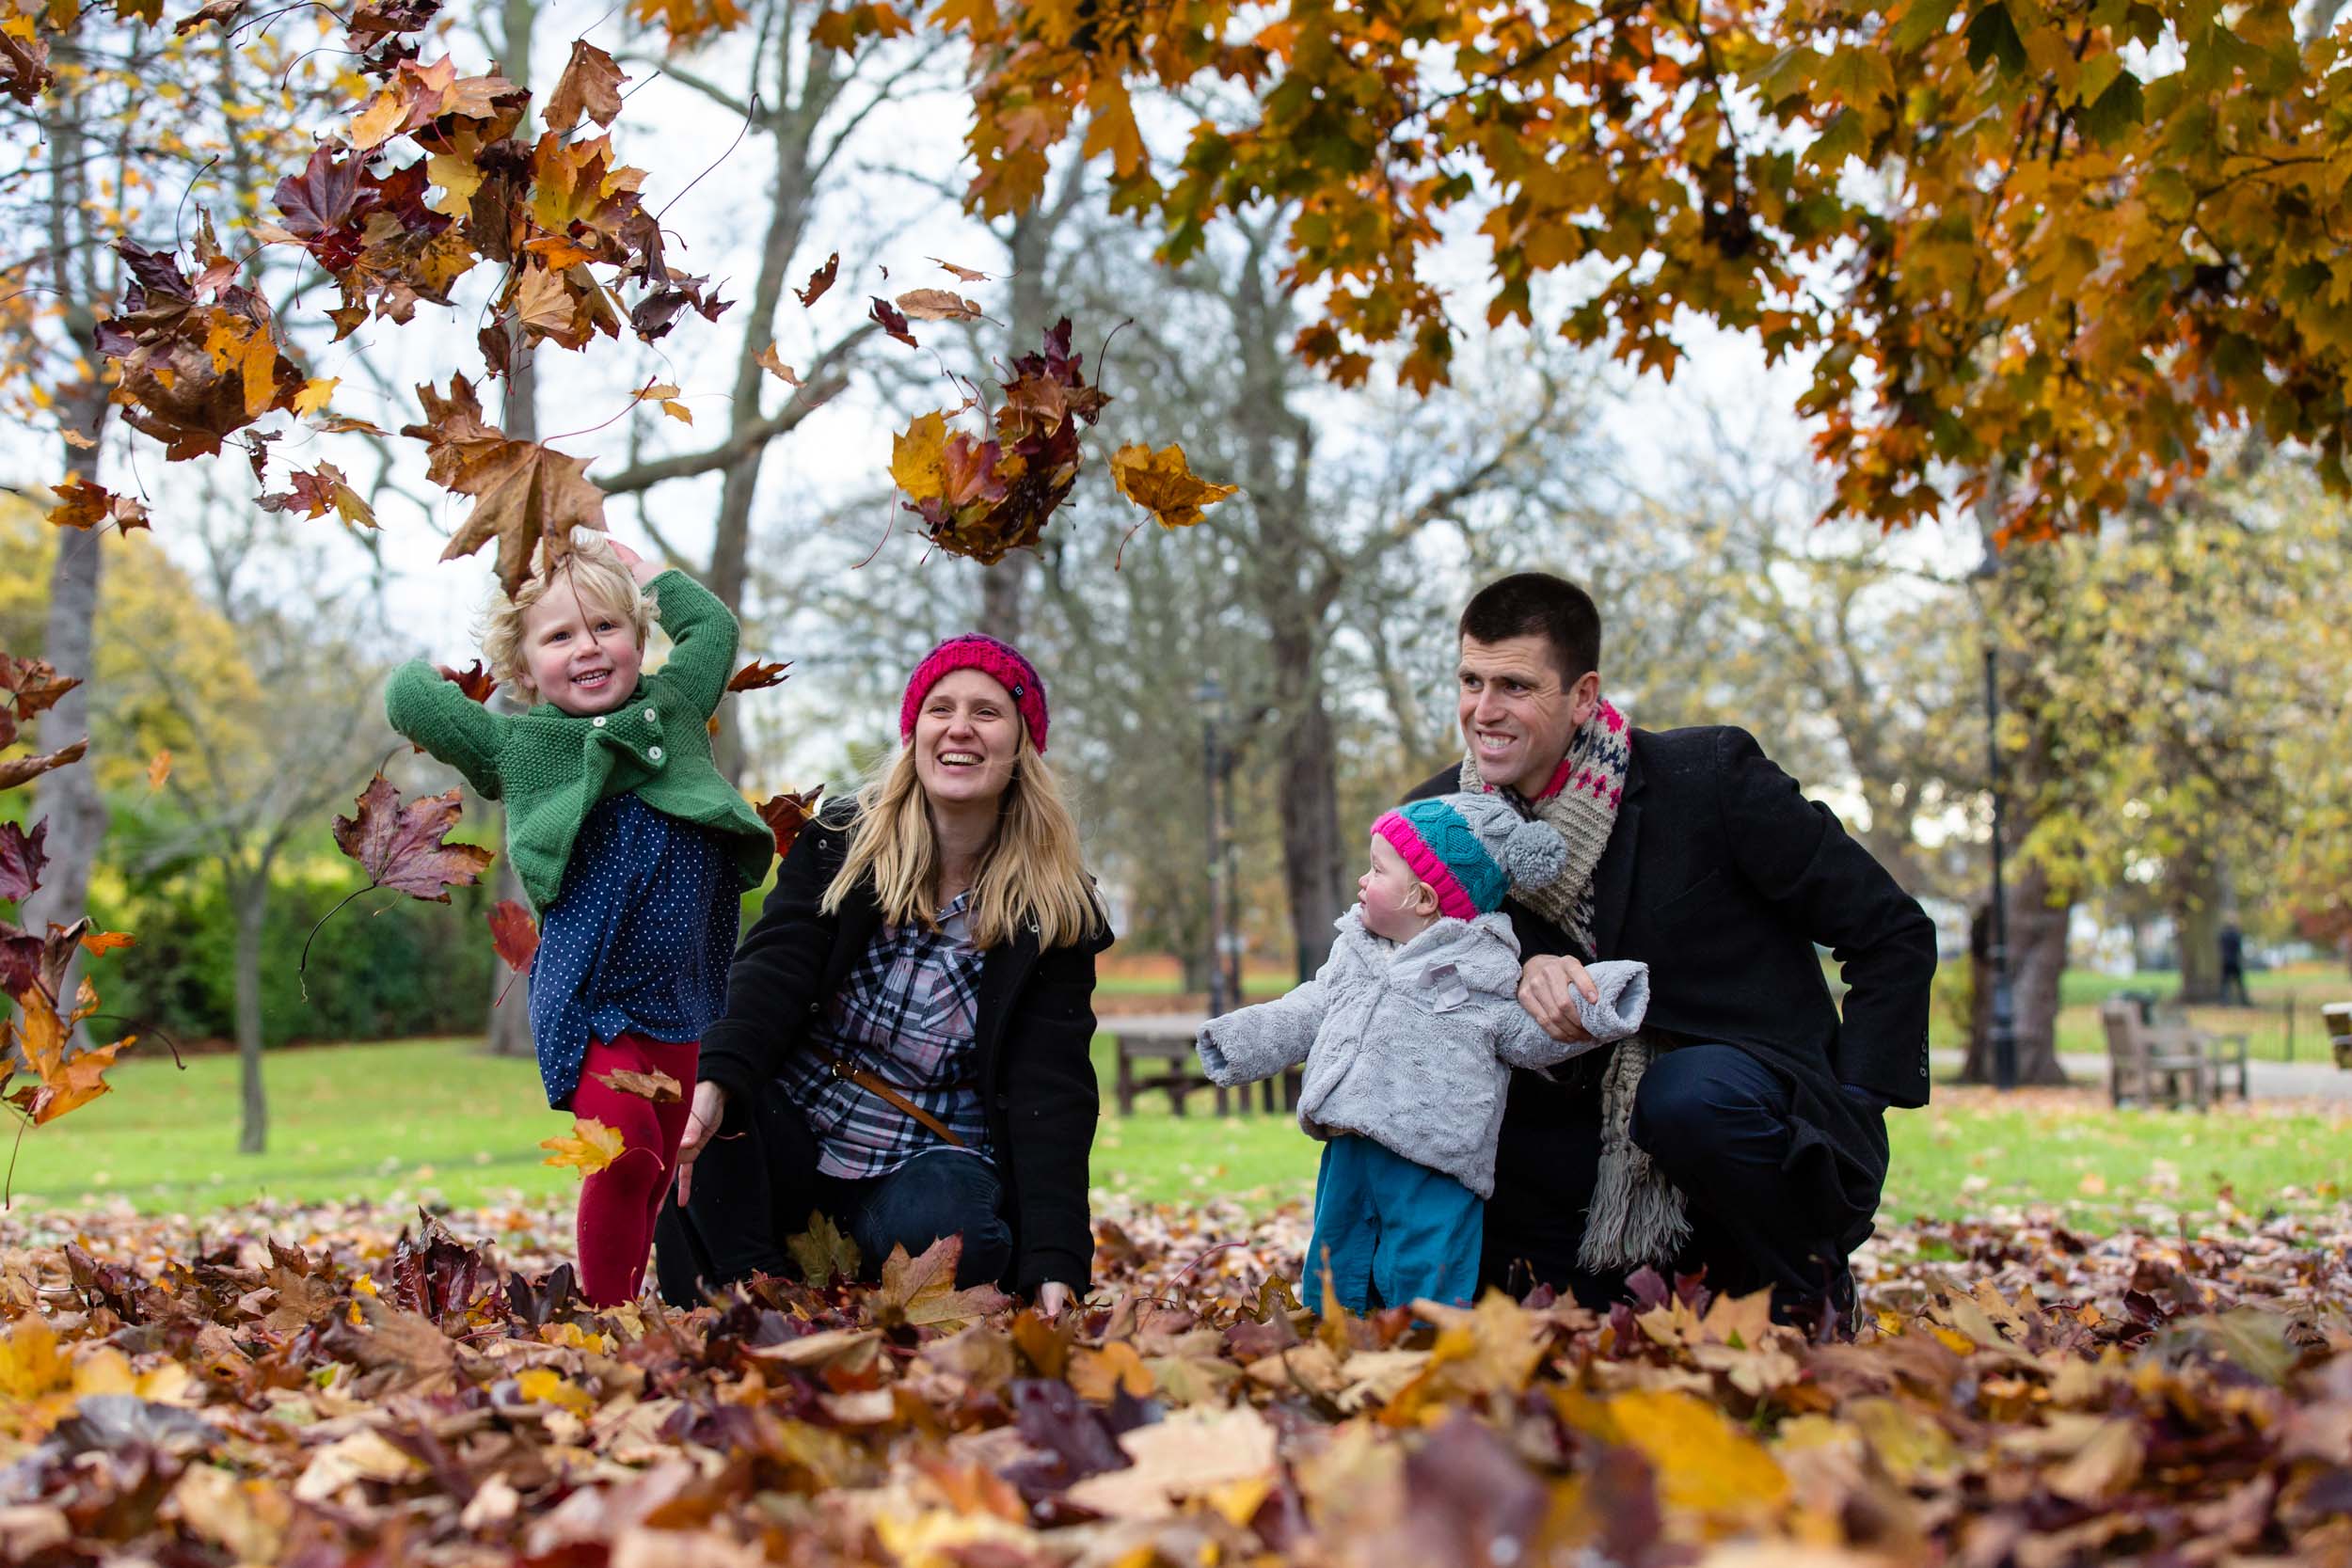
(1035, 1022)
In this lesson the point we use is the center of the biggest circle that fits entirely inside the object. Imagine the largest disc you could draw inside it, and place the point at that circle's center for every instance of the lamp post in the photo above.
(2001, 1028)
(1210, 698)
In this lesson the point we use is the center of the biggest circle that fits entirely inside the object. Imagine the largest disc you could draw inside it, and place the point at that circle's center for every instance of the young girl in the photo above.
(1409, 1033)
(627, 839)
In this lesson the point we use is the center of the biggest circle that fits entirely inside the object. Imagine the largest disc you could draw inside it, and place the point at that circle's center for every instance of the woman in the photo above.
(905, 1048)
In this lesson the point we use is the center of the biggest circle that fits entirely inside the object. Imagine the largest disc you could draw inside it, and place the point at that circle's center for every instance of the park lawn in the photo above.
(435, 1122)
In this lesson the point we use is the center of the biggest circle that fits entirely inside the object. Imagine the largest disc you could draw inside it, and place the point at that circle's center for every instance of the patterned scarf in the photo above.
(1637, 1216)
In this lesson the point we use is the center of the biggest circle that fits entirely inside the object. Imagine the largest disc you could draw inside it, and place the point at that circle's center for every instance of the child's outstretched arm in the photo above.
(704, 635)
(1624, 1003)
(1257, 1042)
(432, 711)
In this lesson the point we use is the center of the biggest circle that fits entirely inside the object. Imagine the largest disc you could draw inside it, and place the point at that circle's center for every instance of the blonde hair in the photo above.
(593, 572)
(1030, 874)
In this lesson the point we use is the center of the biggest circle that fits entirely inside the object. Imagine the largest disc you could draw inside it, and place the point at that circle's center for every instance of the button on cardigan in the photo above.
(552, 768)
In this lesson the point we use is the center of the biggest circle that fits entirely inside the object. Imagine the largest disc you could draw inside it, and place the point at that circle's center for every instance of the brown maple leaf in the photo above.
(963, 275)
(591, 82)
(659, 1087)
(786, 814)
(315, 492)
(756, 677)
(770, 360)
(399, 847)
(16, 770)
(24, 72)
(938, 305)
(84, 505)
(22, 856)
(1164, 484)
(919, 1292)
(66, 1082)
(514, 934)
(526, 494)
(476, 680)
(819, 280)
(886, 316)
(33, 685)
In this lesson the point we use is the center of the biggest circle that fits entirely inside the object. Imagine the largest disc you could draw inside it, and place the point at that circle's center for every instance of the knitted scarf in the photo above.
(1637, 1216)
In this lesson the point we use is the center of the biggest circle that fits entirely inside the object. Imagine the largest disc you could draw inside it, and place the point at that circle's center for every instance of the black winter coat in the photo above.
(1721, 875)
(1034, 1024)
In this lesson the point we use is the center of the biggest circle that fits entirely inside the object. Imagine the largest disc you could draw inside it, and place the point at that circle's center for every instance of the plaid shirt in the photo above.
(907, 1013)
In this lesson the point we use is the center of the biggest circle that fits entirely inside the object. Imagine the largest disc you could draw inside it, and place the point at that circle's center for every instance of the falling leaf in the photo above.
(514, 934)
(787, 814)
(315, 492)
(966, 275)
(756, 677)
(885, 315)
(22, 856)
(66, 1082)
(591, 84)
(1164, 484)
(476, 680)
(819, 280)
(159, 768)
(16, 770)
(768, 360)
(659, 1087)
(936, 304)
(401, 846)
(84, 505)
(824, 1253)
(590, 1147)
(381, 119)
(314, 394)
(99, 943)
(917, 457)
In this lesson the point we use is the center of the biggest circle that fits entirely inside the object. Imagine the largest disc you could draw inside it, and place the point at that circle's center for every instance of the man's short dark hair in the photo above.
(1536, 604)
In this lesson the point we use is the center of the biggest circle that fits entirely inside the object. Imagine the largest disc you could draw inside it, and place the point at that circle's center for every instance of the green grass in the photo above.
(432, 1120)
(2264, 1024)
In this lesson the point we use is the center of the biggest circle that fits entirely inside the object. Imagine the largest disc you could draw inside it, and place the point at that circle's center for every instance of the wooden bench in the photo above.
(1169, 1041)
(2339, 1017)
(2150, 1063)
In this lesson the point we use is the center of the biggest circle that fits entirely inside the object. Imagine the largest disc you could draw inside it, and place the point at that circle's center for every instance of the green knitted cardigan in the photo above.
(552, 768)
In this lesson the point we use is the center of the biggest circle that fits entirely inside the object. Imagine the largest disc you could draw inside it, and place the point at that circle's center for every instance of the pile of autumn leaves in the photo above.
(303, 1386)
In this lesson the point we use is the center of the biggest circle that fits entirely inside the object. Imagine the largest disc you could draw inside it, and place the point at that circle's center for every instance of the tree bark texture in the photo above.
(251, 894)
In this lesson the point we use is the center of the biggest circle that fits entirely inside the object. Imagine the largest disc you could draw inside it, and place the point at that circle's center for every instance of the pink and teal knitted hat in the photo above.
(1000, 661)
(1472, 850)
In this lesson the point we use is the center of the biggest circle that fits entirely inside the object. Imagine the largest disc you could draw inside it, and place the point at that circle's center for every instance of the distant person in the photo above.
(633, 847)
(906, 1042)
(2233, 966)
(1409, 1033)
(1747, 1119)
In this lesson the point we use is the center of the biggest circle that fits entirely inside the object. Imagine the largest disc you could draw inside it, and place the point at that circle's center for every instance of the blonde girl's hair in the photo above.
(593, 570)
(1030, 873)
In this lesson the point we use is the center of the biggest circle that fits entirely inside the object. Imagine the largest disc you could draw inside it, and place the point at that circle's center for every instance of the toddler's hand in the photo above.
(702, 1120)
(639, 567)
(1547, 989)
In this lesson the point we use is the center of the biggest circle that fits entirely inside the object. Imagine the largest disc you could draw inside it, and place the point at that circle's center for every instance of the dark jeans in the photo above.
(758, 1182)
(1716, 1122)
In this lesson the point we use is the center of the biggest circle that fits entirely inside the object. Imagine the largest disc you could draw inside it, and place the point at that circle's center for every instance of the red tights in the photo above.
(617, 1204)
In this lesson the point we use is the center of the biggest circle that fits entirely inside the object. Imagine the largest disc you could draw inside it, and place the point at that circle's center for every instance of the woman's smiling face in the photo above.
(966, 736)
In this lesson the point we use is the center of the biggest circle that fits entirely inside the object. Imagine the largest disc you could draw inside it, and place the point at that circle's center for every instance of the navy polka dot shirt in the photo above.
(638, 939)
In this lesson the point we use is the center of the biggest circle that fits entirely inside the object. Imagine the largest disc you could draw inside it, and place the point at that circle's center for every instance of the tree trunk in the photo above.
(507, 1033)
(252, 897)
(1001, 593)
(1314, 872)
(2037, 960)
(2193, 888)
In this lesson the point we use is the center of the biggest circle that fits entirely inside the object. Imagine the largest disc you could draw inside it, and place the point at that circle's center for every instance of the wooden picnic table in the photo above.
(1169, 1040)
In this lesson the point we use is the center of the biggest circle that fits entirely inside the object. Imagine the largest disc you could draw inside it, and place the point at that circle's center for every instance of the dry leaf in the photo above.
(1164, 484)
(591, 1146)
(399, 847)
(591, 84)
(937, 305)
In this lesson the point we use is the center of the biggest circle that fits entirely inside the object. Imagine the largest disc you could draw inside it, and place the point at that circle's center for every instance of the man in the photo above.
(2233, 966)
(1743, 1130)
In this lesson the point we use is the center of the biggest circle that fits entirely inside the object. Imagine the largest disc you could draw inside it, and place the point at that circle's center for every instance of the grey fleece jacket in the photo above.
(1412, 1045)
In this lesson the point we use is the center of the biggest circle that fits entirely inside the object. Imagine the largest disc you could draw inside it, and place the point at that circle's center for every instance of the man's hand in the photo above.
(1548, 989)
(702, 1120)
(1054, 1298)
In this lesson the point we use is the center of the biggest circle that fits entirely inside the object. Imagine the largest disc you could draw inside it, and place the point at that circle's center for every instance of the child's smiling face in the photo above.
(1397, 904)
(581, 656)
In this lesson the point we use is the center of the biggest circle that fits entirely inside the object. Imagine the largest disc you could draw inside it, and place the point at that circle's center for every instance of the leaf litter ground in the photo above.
(328, 1386)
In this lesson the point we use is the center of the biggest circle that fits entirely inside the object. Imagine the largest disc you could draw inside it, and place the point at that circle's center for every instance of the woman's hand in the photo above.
(1054, 1298)
(702, 1120)
(1547, 989)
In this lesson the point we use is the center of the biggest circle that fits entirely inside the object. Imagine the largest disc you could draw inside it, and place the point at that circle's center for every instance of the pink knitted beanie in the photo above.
(999, 661)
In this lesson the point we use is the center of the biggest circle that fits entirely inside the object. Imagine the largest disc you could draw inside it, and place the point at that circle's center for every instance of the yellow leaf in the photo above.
(458, 178)
(1164, 484)
(159, 768)
(768, 360)
(678, 411)
(544, 1386)
(916, 454)
(261, 372)
(1704, 1462)
(30, 1363)
(314, 394)
(1098, 1374)
(591, 1147)
(377, 121)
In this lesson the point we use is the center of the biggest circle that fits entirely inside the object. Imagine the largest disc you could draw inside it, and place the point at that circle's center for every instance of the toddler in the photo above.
(633, 847)
(1409, 1033)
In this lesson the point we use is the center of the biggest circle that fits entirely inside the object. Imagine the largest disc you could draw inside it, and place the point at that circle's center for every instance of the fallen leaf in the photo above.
(16, 770)
(400, 846)
(824, 1253)
(476, 680)
(966, 275)
(591, 1146)
(937, 305)
(314, 394)
(819, 280)
(591, 84)
(22, 856)
(919, 1292)
(514, 934)
(768, 360)
(659, 1087)
(886, 316)
(756, 677)
(159, 768)
(786, 814)
(84, 505)
(1164, 484)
